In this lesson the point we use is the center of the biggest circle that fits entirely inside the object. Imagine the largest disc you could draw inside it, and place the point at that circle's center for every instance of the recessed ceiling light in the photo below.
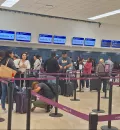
(9, 3)
(105, 15)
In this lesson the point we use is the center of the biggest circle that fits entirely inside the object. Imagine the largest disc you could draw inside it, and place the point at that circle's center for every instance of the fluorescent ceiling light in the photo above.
(9, 3)
(105, 15)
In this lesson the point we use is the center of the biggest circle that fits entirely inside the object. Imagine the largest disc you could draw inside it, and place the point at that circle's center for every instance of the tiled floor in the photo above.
(42, 121)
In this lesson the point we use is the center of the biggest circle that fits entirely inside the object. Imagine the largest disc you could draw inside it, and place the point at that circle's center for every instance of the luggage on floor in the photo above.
(95, 84)
(69, 86)
(62, 84)
(21, 102)
(68, 89)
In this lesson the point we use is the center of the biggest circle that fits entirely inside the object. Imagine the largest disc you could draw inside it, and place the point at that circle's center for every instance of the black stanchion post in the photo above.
(119, 79)
(80, 90)
(75, 99)
(10, 103)
(105, 97)
(93, 121)
(98, 104)
(109, 127)
(28, 105)
(56, 114)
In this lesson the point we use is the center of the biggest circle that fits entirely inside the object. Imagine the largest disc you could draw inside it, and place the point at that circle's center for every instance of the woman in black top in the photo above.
(7, 57)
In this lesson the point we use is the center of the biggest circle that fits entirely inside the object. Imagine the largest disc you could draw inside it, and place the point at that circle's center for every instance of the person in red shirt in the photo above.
(87, 70)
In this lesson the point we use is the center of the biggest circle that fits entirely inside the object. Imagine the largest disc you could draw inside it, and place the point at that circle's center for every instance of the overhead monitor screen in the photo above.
(89, 42)
(116, 44)
(78, 41)
(59, 40)
(7, 35)
(106, 43)
(45, 38)
(23, 36)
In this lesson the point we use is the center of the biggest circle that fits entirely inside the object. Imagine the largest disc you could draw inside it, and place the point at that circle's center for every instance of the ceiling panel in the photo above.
(76, 9)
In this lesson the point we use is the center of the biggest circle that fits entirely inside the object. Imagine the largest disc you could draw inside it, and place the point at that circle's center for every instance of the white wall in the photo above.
(37, 25)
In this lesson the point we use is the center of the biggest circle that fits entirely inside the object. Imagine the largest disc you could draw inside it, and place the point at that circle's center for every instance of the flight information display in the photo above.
(59, 40)
(45, 38)
(106, 43)
(116, 44)
(23, 36)
(89, 42)
(78, 41)
(7, 35)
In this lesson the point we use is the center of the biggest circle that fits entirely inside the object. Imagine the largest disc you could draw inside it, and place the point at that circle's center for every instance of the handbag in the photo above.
(6, 72)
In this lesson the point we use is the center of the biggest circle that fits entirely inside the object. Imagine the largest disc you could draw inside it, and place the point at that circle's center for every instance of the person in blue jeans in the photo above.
(6, 57)
(3, 96)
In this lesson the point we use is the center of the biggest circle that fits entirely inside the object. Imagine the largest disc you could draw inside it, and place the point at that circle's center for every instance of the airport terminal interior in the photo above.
(52, 51)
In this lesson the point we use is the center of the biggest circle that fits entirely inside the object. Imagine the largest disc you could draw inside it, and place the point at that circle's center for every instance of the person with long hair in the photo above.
(24, 65)
(6, 59)
(87, 70)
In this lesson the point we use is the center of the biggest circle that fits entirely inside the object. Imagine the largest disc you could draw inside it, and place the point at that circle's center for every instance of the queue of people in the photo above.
(52, 65)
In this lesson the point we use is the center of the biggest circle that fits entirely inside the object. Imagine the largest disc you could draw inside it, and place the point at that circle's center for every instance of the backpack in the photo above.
(105, 72)
(53, 88)
(107, 68)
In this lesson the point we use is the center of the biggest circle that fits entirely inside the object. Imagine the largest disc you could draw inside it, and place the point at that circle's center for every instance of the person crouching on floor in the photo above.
(45, 91)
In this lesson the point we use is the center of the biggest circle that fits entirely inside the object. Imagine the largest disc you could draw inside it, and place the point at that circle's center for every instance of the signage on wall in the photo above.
(106, 43)
(7, 35)
(77, 41)
(45, 38)
(89, 42)
(59, 39)
(116, 44)
(23, 36)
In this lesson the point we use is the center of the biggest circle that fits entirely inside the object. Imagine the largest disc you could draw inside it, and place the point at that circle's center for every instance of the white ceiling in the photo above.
(76, 9)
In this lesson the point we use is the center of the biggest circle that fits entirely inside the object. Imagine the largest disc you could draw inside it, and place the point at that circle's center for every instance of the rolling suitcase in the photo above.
(68, 86)
(21, 103)
(95, 84)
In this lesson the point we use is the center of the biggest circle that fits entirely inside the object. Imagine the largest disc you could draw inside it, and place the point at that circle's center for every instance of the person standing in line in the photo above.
(100, 71)
(6, 58)
(64, 62)
(110, 63)
(37, 64)
(87, 70)
(24, 64)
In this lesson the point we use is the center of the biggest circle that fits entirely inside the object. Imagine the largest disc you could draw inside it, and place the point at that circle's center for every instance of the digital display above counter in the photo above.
(78, 41)
(89, 42)
(45, 38)
(59, 40)
(106, 43)
(7, 35)
(115, 44)
(23, 36)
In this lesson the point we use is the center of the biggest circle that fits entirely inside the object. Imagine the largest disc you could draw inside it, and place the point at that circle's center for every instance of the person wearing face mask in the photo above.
(64, 62)
(24, 65)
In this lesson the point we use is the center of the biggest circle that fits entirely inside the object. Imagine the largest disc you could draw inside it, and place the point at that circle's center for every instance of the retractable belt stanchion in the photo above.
(98, 103)
(56, 114)
(119, 79)
(28, 88)
(109, 127)
(93, 121)
(10, 103)
(75, 99)
(80, 90)
(105, 96)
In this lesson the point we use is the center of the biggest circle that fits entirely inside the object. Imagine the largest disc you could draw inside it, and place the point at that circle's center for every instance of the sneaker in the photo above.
(4, 111)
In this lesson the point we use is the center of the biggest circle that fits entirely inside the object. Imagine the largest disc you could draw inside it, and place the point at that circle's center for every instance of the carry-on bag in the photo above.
(21, 102)
(95, 84)
(68, 86)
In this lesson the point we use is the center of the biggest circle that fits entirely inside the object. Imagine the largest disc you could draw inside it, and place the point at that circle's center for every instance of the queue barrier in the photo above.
(60, 106)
